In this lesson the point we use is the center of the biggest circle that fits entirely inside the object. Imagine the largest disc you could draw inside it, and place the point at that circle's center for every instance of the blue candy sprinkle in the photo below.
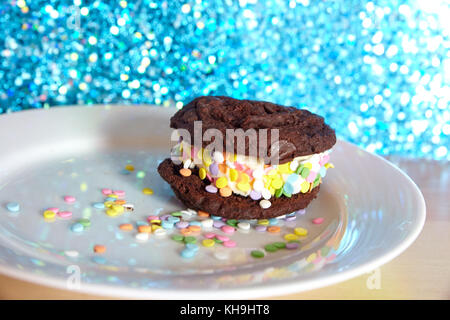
(188, 253)
(77, 227)
(192, 246)
(98, 205)
(13, 207)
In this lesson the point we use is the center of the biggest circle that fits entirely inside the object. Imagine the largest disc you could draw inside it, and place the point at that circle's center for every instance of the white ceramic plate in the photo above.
(372, 213)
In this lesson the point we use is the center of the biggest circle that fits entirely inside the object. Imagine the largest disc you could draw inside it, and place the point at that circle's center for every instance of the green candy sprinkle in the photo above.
(217, 240)
(305, 172)
(257, 254)
(178, 237)
(270, 248)
(287, 194)
(190, 239)
(176, 214)
(85, 222)
(296, 241)
(299, 169)
(232, 222)
(278, 192)
(280, 245)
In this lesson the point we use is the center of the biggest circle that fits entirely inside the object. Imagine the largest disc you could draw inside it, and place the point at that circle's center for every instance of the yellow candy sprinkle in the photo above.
(200, 154)
(208, 243)
(272, 172)
(48, 214)
(202, 173)
(221, 182)
(129, 167)
(301, 232)
(290, 237)
(147, 191)
(272, 190)
(244, 178)
(207, 162)
(308, 165)
(304, 186)
(311, 257)
(243, 186)
(263, 222)
(233, 174)
(328, 165)
(108, 204)
(111, 212)
(284, 168)
(277, 183)
(155, 226)
(118, 208)
(115, 196)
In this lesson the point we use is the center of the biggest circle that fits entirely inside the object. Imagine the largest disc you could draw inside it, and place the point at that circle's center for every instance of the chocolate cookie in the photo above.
(302, 132)
(191, 192)
(228, 184)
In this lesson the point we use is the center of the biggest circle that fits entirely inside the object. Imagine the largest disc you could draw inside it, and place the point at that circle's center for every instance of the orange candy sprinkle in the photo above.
(126, 227)
(99, 249)
(185, 172)
(120, 201)
(223, 168)
(145, 229)
(195, 228)
(225, 191)
(202, 214)
(185, 231)
(273, 229)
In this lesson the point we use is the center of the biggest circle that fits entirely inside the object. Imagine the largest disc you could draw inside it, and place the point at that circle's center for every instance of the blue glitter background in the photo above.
(379, 71)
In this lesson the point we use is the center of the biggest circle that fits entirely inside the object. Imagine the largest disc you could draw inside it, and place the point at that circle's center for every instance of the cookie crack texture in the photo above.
(307, 133)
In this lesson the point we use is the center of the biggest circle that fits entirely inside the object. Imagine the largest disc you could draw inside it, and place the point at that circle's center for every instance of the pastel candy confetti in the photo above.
(229, 244)
(261, 228)
(257, 254)
(13, 207)
(69, 199)
(228, 229)
(255, 195)
(48, 214)
(211, 189)
(292, 245)
(119, 193)
(265, 204)
(106, 191)
(317, 220)
(243, 225)
(77, 227)
(229, 173)
(65, 214)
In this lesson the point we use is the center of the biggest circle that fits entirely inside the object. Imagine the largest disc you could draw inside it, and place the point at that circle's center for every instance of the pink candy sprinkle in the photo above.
(69, 199)
(55, 210)
(209, 235)
(65, 214)
(119, 193)
(311, 177)
(222, 238)
(149, 218)
(106, 191)
(229, 244)
(227, 229)
(317, 220)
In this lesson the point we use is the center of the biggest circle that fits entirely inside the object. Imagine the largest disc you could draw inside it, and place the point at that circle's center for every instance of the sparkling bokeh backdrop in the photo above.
(378, 71)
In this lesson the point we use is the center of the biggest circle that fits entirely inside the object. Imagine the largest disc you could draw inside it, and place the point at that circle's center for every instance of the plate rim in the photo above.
(244, 292)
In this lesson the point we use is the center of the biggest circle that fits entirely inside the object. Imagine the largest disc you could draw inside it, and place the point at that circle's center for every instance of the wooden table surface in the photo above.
(421, 272)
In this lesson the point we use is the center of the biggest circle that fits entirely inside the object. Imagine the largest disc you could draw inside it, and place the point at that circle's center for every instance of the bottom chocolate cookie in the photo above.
(191, 191)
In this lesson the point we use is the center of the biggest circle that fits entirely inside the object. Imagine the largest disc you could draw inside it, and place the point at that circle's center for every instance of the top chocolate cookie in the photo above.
(302, 132)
